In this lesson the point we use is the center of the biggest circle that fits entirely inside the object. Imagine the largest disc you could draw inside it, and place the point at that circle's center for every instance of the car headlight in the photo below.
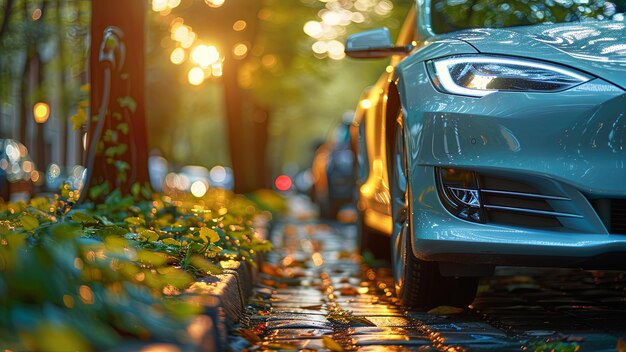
(478, 76)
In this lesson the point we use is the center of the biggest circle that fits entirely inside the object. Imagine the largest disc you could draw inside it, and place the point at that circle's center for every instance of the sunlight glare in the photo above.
(178, 56)
(196, 76)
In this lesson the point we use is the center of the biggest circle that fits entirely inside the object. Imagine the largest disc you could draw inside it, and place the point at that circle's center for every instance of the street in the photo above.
(314, 293)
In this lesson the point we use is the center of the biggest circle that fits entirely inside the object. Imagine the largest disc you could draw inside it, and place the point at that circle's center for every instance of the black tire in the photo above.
(419, 284)
(426, 288)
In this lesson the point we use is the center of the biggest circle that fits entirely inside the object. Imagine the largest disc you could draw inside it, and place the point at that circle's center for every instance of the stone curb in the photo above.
(223, 299)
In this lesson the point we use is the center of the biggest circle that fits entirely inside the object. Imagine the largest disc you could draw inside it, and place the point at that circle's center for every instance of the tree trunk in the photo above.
(117, 142)
(260, 124)
(239, 134)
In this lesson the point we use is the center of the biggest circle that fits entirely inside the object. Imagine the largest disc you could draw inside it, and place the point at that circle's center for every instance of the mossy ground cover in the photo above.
(82, 277)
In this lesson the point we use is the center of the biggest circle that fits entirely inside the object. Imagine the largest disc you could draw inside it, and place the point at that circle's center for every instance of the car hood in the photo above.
(595, 47)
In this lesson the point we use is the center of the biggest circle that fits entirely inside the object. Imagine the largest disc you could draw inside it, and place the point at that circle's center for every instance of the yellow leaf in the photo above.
(79, 119)
(85, 87)
(211, 234)
(29, 222)
(250, 335)
(361, 320)
(331, 344)
(281, 347)
(445, 310)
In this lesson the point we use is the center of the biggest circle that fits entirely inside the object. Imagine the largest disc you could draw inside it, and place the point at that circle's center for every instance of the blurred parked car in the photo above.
(17, 171)
(333, 169)
(494, 146)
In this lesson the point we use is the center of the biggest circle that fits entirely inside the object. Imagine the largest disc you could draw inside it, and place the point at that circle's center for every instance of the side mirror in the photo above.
(375, 43)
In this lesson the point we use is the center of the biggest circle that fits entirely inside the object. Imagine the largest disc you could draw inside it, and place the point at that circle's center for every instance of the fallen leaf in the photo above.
(331, 344)
(282, 346)
(571, 338)
(250, 336)
(361, 320)
(348, 291)
(445, 310)
(344, 255)
(315, 307)
(269, 269)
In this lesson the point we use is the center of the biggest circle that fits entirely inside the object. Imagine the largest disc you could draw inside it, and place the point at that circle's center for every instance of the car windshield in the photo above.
(452, 15)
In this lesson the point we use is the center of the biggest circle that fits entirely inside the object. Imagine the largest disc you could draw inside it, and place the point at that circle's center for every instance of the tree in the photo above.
(117, 155)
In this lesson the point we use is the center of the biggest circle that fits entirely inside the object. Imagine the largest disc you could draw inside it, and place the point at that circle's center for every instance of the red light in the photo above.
(283, 183)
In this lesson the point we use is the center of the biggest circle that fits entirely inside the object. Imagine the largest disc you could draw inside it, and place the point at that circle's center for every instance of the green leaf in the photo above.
(148, 235)
(83, 218)
(152, 258)
(175, 277)
(4, 228)
(209, 235)
(123, 127)
(171, 242)
(29, 222)
(65, 231)
(136, 221)
(128, 102)
(206, 266)
(135, 189)
(98, 191)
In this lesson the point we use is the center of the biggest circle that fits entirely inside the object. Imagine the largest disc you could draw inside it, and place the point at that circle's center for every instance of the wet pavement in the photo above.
(314, 293)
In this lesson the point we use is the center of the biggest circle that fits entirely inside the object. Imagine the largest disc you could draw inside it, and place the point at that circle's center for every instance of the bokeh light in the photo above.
(159, 5)
(198, 189)
(240, 50)
(41, 112)
(178, 56)
(215, 3)
(218, 174)
(239, 25)
(283, 183)
(205, 55)
(313, 29)
(196, 76)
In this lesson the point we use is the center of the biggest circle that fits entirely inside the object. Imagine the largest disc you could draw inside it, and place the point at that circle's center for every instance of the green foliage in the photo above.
(76, 278)
(453, 15)
(553, 346)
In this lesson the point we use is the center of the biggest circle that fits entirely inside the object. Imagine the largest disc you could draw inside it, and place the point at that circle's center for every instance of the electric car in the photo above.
(494, 139)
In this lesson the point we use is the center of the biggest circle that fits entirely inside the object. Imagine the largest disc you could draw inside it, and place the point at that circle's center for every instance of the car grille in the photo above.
(618, 216)
(512, 202)
(612, 212)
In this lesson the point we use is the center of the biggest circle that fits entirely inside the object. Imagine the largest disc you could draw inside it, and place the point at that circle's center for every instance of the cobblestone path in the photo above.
(315, 294)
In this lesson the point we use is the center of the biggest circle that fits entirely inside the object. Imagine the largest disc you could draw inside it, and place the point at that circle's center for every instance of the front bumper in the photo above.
(440, 236)
(570, 144)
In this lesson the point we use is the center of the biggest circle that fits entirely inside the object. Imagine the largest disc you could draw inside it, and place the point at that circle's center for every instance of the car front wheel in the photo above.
(419, 284)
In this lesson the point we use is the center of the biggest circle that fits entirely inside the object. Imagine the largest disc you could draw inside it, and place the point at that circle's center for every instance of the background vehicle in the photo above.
(333, 169)
(494, 146)
(17, 171)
